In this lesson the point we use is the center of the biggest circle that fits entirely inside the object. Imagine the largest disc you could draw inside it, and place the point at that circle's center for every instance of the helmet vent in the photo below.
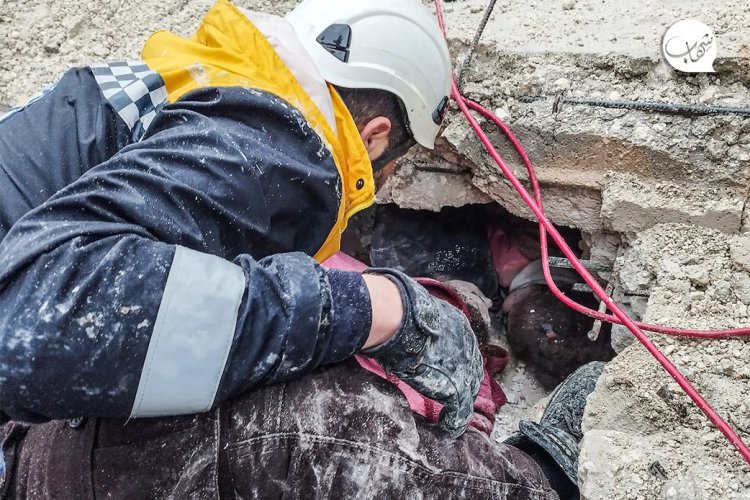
(336, 39)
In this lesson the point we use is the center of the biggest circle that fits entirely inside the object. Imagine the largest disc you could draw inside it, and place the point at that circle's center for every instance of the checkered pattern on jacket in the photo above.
(135, 91)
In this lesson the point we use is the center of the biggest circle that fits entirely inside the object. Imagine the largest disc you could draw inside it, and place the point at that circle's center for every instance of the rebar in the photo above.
(475, 42)
(650, 106)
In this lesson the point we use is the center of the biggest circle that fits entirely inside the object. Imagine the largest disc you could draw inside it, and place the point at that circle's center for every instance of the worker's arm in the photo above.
(154, 284)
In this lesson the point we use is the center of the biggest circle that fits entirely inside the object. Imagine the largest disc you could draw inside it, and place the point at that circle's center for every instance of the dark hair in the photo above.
(367, 104)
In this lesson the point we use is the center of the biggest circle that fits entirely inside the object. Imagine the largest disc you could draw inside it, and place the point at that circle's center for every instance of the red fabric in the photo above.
(490, 398)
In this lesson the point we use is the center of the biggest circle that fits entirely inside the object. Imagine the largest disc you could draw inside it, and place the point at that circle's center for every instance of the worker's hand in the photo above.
(434, 351)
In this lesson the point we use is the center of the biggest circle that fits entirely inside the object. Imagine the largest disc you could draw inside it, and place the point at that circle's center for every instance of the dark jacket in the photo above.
(145, 266)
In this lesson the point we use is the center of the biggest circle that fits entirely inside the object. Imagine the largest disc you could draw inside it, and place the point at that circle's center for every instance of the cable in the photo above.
(547, 227)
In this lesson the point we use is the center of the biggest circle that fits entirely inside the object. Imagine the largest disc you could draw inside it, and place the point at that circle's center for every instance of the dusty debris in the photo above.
(84, 32)
(638, 415)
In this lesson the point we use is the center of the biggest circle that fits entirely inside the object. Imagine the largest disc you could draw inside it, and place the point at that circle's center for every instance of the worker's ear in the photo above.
(375, 136)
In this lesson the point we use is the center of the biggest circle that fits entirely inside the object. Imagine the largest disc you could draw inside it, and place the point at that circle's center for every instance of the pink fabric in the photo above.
(507, 258)
(342, 261)
(490, 398)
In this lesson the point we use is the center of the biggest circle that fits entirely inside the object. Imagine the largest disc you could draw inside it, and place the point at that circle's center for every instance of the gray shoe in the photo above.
(557, 435)
(565, 408)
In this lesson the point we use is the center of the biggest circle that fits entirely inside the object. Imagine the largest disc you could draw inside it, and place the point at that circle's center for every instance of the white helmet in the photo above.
(393, 45)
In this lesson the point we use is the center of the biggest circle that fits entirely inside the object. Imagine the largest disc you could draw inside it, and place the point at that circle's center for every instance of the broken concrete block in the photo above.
(631, 204)
(431, 187)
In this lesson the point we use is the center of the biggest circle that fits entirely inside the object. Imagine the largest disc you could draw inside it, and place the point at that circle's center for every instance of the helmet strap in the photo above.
(391, 154)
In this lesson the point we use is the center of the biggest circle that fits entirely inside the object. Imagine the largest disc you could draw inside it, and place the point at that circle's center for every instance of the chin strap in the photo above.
(392, 153)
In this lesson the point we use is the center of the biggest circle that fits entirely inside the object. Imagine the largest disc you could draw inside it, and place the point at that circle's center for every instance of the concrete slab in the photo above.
(630, 205)
(633, 29)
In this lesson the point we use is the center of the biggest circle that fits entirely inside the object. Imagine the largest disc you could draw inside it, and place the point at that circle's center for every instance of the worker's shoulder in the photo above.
(253, 115)
(247, 104)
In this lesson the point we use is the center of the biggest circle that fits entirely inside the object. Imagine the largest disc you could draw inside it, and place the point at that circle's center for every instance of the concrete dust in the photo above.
(526, 397)
(526, 400)
(43, 38)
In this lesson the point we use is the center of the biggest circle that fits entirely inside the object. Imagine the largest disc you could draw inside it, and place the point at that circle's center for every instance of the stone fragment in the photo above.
(100, 50)
(708, 96)
(51, 48)
(621, 338)
(503, 114)
(723, 292)
(698, 275)
(740, 252)
(561, 84)
(741, 287)
(73, 25)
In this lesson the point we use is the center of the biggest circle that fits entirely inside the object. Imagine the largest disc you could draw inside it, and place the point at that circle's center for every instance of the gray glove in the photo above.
(434, 351)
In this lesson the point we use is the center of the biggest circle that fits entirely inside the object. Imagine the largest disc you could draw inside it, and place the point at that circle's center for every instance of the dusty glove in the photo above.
(434, 351)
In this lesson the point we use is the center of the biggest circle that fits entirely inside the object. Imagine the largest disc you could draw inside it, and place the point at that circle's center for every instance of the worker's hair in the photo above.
(367, 104)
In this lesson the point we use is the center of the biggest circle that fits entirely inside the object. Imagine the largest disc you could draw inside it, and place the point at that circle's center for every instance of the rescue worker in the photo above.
(162, 224)
(150, 207)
